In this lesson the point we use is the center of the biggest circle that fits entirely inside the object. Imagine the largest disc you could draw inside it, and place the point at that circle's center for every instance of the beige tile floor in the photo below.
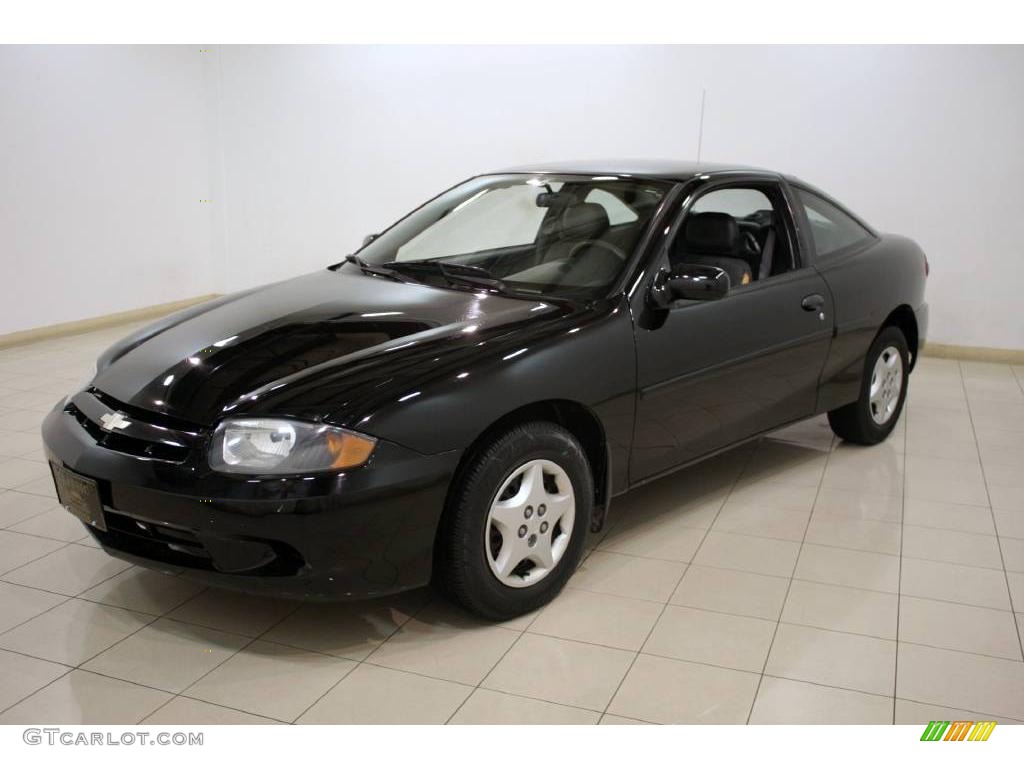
(794, 580)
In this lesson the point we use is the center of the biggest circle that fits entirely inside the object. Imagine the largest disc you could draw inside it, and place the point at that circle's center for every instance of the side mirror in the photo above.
(689, 282)
(369, 239)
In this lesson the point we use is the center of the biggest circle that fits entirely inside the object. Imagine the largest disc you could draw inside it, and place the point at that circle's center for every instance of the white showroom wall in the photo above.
(326, 144)
(306, 149)
(924, 141)
(105, 154)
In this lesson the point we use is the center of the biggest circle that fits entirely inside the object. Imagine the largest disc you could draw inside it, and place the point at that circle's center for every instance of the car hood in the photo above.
(202, 363)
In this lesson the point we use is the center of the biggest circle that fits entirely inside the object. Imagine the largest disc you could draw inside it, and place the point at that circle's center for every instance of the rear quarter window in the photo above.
(832, 230)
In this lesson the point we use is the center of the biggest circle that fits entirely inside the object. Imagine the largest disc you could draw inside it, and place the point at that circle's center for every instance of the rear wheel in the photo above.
(514, 532)
(883, 390)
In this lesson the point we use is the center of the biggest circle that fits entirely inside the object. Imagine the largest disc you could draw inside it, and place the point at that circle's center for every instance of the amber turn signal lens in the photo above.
(348, 450)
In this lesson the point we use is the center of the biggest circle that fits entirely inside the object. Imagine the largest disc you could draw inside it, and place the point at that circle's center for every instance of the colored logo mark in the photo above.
(958, 730)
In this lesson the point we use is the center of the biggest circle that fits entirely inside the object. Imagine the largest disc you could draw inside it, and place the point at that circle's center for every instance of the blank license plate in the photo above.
(79, 495)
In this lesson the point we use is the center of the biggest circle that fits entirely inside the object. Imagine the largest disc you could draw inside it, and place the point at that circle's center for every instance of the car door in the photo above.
(714, 372)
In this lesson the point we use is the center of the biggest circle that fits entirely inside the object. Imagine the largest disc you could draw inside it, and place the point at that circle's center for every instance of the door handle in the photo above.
(813, 303)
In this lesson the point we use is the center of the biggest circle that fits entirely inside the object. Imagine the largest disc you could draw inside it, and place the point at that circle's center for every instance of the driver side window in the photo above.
(737, 229)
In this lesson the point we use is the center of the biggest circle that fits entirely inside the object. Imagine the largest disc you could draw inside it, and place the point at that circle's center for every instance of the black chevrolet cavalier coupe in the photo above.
(463, 397)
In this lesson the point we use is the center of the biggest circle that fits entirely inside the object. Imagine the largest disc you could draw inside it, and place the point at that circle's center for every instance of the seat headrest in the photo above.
(583, 221)
(711, 233)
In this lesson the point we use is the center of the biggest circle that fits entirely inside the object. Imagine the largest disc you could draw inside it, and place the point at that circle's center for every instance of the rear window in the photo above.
(831, 229)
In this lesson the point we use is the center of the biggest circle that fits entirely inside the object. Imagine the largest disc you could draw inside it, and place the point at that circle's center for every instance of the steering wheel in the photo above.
(621, 254)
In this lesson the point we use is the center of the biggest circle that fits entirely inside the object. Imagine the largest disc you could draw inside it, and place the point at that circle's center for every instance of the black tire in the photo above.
(854, 422)
(463, 571)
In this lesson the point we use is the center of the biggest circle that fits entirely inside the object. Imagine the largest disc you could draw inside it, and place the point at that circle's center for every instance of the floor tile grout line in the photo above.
(1020, 381)
(358, 663)
(831, 546)
(30, 618)
(803, 580)
(949, 706)
(833, 686)
(735, 481)
(20, 488)
(527, 697)
(68, 598)
(78, 595)
(15, 568)
(78, 666)
(789, 587)
(153, 619)
(30, 694)
(515, 642)
(173, 695)
(687, 661)
(879, 638)
(250, 640)
(999, 544)
(165, 614)
(960, 650)
(10, 529)
(204, 701)
(487, 674)
(128, 566)
(157, 708)
(899, 568)
(424, 676)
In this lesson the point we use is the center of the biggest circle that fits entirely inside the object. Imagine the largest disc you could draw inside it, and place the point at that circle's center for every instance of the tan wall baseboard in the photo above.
(103, 321)
(981, 354)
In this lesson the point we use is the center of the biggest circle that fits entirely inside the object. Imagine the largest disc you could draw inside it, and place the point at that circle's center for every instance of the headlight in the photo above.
(272, 446)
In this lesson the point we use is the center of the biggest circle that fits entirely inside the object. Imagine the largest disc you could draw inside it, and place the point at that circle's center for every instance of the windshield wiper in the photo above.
(453, 273)
(368, 268)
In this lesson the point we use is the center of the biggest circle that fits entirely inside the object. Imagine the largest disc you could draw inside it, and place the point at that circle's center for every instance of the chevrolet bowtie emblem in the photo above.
(115, 420)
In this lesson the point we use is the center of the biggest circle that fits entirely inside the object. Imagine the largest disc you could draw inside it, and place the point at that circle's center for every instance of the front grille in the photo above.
(161, 451)
(161, 420)
(142, 433)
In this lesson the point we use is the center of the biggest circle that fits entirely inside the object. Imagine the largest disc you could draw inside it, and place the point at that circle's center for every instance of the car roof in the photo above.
(673, 170)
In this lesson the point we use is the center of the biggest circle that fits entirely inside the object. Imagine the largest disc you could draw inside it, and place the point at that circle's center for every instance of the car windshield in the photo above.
(553, 235)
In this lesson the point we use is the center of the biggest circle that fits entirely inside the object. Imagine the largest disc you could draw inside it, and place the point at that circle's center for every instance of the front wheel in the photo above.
(883, 390)
(516, 524)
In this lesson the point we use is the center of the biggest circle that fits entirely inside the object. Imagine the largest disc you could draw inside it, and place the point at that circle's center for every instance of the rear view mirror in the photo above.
(368, 239)
(551, 199)
(692, 282)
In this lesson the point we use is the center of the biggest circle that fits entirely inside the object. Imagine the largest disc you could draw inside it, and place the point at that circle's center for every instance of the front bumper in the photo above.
(359, 533)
